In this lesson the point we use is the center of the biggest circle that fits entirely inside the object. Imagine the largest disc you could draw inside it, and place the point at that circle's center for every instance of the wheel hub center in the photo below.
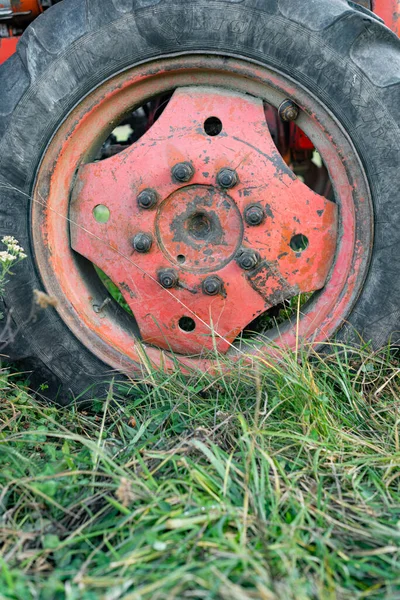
(199, 228)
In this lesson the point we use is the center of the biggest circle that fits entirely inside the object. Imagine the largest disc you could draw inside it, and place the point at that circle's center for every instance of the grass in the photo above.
(275, 482)
(113, 290)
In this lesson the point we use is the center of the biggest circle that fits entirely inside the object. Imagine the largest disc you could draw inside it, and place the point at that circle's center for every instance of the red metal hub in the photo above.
(224, 205)
(200, 223)
(199, 228)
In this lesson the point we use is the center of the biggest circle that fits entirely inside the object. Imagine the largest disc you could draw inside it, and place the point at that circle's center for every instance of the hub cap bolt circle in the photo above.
(227, 178)
(142, 242)
(288, 110)
(248, 259)
(254, 215)
(212, 286)
(147, 199)
(182, 172)
(168, 278)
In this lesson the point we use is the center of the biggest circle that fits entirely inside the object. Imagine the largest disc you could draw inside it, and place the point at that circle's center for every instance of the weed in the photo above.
(8, 259)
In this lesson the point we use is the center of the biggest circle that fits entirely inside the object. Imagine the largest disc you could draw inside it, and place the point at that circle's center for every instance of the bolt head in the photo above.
(182, 172)
(248, 259)
(212, 285)
(147, 199)
(288, 110)
(254, 215)
(168, 278)
(227, 178)
(142, 242)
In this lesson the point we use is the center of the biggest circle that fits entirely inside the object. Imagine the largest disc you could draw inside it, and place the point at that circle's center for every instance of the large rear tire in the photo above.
(345, 59)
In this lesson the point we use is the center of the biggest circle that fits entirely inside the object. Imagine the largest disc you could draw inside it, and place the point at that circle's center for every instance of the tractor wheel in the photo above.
(191, 232)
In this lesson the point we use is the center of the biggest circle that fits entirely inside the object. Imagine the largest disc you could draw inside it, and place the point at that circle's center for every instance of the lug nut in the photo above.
(168, 278)
(288, 110)
(227, 178)
(254, 215)
(142, 242)
(183, 172)
(212, 285)
(147, 199)
(248, 259)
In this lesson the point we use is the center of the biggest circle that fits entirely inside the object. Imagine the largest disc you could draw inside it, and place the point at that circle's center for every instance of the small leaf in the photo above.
(50, 541)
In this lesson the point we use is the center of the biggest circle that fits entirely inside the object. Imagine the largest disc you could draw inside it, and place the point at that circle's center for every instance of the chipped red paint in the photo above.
(74, 147)
(389, 11)
(290, 207)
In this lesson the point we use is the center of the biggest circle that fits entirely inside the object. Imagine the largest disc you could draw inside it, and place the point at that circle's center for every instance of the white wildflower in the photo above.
(9, 240)
(13, 254)
(13, 247)
(7, 257)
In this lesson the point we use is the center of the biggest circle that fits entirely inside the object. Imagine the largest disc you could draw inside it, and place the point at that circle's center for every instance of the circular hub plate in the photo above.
(199, 228)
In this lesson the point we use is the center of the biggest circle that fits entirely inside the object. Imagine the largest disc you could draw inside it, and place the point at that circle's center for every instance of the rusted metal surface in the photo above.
(198, 225)
(389, 11)
(76, 143)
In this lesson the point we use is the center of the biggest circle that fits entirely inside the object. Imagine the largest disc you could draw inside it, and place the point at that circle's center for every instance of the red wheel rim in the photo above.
(344, 238)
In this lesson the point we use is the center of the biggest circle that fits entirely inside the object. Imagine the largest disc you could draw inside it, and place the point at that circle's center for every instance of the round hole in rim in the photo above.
(101, 213)
(299, 243)
(213, 126)
(181, 258)
(187, 324)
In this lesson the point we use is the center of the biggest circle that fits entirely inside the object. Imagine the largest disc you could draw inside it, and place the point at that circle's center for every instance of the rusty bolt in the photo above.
(142, 242)
(254, 215)
(288, 110)
(248, 259)
(147, 199)
(227, 178)
(212, 285)
(168, 278)
(183, 172)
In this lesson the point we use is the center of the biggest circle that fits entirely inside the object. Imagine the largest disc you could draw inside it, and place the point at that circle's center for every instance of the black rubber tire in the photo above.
(344, 56)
